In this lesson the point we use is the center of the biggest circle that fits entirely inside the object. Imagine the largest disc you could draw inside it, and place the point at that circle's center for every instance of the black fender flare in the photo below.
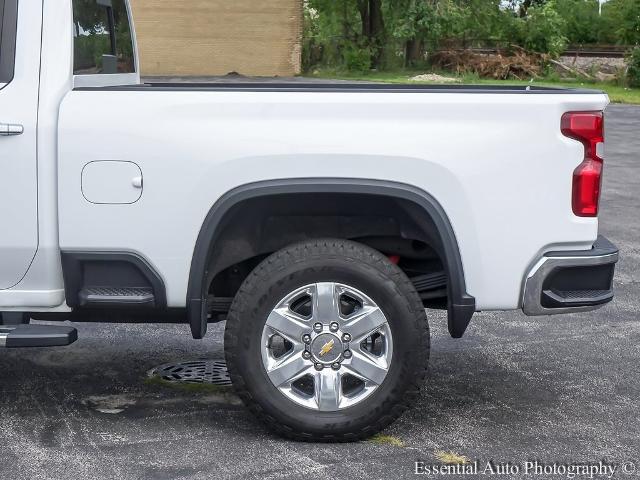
(461, 305)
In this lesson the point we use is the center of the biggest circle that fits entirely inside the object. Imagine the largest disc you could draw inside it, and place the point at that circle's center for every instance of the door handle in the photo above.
(7, 129)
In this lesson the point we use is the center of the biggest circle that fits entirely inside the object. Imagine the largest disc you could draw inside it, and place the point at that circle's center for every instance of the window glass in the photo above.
(8, 22)
(1, 22)
(102, 42)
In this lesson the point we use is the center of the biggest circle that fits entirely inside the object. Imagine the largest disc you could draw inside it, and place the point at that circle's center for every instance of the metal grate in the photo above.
(193, 371)
(578, 294)
(118, 291)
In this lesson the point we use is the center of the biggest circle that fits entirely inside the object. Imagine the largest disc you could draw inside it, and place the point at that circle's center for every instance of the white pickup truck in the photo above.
(318, 220)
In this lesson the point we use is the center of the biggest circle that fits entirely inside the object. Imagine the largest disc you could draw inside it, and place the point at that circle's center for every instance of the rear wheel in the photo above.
(327, 340)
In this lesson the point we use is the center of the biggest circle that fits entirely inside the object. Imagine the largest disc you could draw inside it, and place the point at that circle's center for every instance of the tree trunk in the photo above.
(413, 52)
(524, 6)
(373, 28)
(527, 4)
(377, 31)
(365, 18)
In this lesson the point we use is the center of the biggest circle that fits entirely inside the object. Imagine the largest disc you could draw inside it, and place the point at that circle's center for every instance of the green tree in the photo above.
(543, 29)
(525, 5)
(487, 20)
(623, 17)
(418, 24)
(633, 69)
(345, 32)
(582, 19)
(425, 24)
(364, 34)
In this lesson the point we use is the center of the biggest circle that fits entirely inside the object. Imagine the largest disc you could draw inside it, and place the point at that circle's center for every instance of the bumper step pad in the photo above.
(116, 295)
(576, 298)
(14, 336)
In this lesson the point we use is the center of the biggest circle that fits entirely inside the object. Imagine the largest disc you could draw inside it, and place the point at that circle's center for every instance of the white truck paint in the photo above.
(497, 163)
(485, 181)
(106, 166)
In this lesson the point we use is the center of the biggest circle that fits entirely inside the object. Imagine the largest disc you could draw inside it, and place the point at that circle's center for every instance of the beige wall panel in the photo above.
(215, 37)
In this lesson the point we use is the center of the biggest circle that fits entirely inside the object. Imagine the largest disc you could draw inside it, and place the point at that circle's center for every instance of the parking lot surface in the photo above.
(562, 389)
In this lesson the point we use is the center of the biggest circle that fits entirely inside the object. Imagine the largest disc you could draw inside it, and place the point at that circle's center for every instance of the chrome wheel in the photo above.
(326, 346)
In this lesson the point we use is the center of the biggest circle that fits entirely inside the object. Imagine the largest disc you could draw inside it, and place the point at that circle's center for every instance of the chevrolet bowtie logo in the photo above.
(326, 348)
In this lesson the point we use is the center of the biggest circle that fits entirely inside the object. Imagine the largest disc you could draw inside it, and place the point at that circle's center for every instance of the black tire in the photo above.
(338, 261)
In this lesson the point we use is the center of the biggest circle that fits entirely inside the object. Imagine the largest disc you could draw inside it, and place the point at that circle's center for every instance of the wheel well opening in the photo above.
(254, 228)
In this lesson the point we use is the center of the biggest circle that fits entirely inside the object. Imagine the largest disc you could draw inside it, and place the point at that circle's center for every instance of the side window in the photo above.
(8, 22)
(102, 37)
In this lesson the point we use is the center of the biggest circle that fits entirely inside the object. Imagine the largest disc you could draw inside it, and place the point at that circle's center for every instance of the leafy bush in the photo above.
(543, 29)
(356, 59)
(88, 51)
(633, 67)
(624, 20)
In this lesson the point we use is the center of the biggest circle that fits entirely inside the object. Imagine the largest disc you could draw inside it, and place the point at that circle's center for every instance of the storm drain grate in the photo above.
(193, 371)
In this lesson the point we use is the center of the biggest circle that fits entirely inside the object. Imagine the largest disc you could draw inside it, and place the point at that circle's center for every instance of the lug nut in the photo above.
(306, 354)
(346, 337)
(306, 338)
(319, 366)
(347, 354)
(317, 327)
(335, 366)
(334, 327)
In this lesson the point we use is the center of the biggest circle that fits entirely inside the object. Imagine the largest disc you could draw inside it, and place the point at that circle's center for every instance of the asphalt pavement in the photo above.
(563, 389)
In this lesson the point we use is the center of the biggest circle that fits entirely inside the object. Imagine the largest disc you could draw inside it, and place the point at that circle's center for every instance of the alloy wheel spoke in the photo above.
(364, 322)
(326, 307)
(287, 324)
(327, 389)
(289, 369)
(367, 368)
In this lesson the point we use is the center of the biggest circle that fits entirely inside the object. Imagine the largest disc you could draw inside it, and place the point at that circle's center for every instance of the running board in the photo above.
(116, 295)
(14, 336)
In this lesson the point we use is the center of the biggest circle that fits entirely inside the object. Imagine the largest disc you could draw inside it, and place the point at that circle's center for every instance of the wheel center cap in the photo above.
(326, 348)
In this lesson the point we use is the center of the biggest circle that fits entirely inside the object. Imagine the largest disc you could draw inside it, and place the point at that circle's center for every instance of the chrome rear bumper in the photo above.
(572, 281)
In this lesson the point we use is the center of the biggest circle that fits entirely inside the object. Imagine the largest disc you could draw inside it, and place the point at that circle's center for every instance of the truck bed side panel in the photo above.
(496, 162)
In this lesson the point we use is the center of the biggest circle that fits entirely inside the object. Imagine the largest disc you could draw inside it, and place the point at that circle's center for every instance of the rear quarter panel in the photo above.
(497, 163)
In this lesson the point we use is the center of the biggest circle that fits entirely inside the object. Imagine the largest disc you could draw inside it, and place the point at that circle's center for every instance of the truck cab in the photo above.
(40, 62)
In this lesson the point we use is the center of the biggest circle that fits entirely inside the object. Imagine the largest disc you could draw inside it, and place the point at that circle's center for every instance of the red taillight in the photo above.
(588, 128)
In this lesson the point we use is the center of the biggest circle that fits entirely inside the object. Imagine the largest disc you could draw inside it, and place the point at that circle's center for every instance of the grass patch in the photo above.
(450, 458)
(188, 387)
(616, 93)
(386, 440)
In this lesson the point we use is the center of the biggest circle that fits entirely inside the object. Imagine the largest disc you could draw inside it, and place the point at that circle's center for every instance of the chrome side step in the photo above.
(15, 336)
(116, 295)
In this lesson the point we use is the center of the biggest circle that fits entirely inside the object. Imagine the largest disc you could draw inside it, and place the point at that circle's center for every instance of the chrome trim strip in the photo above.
(105, 80)
(533, 284)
